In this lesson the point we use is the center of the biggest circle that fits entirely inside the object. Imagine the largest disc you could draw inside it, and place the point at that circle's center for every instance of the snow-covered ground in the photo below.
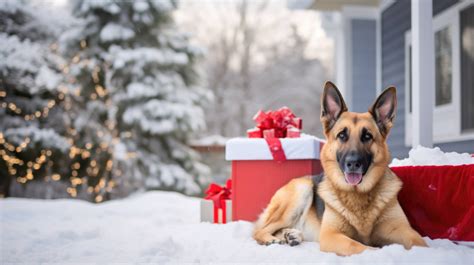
(164, 227)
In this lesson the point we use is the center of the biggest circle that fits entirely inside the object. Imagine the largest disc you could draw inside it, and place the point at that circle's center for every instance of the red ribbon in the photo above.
(276, 149)
(218, 194)
(273, 125)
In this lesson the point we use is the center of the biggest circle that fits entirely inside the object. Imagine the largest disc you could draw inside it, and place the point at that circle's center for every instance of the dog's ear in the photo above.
(332, 105)
(384, 109)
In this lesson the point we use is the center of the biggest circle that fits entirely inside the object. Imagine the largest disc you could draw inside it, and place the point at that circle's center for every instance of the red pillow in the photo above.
(439, 200)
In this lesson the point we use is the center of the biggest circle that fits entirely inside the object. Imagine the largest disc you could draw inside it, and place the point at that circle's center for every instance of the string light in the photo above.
(99, 198)
(43, 113)
(100, 91)
(83, 44)
(56, 177)
(12, 161)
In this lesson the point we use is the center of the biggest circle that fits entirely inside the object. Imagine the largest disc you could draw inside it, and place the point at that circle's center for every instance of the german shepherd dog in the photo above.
(353, 205)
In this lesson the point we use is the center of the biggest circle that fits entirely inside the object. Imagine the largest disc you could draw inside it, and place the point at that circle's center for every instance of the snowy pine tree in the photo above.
(32, 132)
(146, 91)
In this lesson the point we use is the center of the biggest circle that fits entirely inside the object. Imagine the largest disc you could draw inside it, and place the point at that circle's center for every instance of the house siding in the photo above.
(395, 21)
(363, 79)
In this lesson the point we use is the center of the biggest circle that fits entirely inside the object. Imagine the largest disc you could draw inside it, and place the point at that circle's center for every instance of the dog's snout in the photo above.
(353, 163)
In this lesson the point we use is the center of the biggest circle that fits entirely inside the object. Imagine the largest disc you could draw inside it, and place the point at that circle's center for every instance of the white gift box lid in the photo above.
(304, 147)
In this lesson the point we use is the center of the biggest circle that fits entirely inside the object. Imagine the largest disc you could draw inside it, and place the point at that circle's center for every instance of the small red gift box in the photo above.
(260, 166)
(217, 206)
(439, 200)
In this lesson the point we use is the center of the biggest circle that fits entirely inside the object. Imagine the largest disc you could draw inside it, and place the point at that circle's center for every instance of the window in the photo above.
(443, 66)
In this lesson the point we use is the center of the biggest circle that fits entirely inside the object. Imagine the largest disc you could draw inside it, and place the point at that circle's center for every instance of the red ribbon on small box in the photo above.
(273, 125)
(218, 194)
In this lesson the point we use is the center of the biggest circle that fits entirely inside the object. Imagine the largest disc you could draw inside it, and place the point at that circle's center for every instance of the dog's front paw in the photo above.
(293, 236)
(415, 240)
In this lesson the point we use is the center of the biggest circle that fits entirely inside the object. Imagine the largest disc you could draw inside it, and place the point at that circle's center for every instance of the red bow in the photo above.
(218, 194)
(276, 124)
(272, 125)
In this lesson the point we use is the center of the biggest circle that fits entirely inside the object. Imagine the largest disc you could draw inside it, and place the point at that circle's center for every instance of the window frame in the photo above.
(446, 117)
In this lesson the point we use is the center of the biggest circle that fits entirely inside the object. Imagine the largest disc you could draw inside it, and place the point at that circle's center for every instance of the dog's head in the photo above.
(356, 154)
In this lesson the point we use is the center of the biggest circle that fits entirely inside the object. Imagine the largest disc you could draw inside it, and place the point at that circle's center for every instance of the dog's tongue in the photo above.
(353, 178)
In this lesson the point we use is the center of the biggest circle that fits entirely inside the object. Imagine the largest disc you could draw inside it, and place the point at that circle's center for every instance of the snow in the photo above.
(9, 6)
(26, 62)
(141, 6)
(140, 90)
(115, 32)
(163, 227)
(48, 138)
(167, 175)
(106, 5)
(211, 140)
(144, 56)
(47, 78)
(162, 117)
(422, 156)
(23, 56)
(162, 5)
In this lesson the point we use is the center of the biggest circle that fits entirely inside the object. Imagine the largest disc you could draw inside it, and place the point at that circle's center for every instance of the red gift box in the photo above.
(220, 197)
(266, 161)
(439, 200)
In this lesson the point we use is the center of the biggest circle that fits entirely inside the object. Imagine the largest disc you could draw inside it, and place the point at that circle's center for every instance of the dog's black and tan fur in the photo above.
(359, 191)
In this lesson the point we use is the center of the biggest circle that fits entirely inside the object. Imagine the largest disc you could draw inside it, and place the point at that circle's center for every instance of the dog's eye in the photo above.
(342, 136)
(366, 136)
